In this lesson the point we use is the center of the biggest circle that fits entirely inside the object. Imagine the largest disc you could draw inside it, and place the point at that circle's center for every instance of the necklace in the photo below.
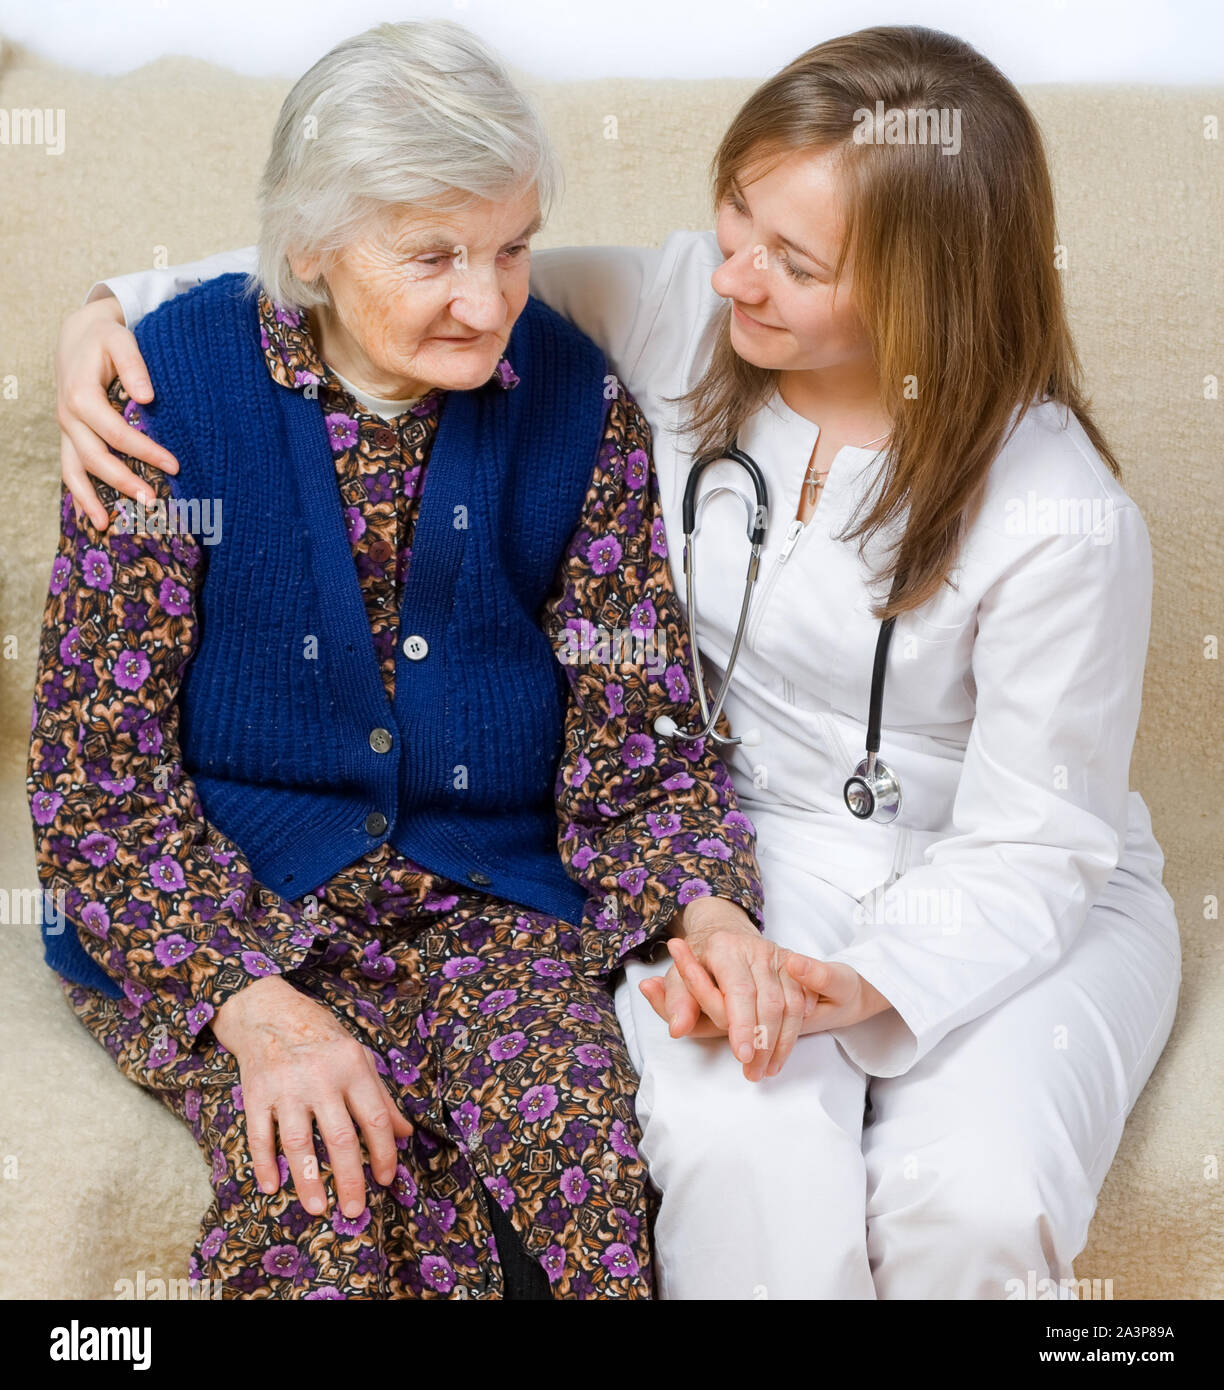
(814, 481)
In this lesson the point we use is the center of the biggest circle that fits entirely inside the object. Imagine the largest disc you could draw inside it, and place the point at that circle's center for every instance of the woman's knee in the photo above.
(979, 1212)
(714, 1126)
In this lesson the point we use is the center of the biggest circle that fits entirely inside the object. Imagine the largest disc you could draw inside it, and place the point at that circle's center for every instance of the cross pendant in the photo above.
(813, 483)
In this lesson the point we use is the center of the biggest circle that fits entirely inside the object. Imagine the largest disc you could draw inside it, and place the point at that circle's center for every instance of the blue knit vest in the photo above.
(282, 699)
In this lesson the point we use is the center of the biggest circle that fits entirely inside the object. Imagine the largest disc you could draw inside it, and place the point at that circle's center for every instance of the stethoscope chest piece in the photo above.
(873, 791)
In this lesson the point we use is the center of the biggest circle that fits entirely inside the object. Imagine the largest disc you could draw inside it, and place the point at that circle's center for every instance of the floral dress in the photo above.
(491, 1024)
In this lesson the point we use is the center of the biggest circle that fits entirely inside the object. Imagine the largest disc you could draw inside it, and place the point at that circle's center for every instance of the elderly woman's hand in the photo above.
(746, 993)
(298, 1063)
(834, 996)
(94, 347)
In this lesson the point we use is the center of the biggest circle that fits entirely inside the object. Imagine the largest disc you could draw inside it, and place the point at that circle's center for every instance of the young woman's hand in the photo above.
(746, 993)
(835, 996)
(298, 1064)
(94, 347)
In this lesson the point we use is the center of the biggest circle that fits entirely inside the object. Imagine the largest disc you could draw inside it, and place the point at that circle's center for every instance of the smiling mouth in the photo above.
(457, 338)
(756, 323)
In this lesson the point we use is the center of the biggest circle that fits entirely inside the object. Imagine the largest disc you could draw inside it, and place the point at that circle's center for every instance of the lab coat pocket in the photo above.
(928, 663)
(943, 618)
(915, 630)
(855, 874)
(947, 611)
(850, 856)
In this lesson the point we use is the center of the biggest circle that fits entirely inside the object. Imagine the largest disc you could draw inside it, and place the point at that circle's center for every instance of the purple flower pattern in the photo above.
(491, 1026)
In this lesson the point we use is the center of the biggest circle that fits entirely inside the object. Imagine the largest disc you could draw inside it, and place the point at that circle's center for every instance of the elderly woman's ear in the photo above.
(306, 266)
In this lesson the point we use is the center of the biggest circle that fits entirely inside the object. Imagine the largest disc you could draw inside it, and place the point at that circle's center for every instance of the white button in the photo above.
(416, 647)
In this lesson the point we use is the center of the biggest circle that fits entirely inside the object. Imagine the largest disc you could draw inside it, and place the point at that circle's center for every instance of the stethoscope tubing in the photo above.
(873, 787)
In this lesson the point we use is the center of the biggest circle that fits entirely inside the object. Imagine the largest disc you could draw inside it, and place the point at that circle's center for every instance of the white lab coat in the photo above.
(1013, 914)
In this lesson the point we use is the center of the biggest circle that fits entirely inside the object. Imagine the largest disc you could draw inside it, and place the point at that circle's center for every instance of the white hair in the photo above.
(421, 114)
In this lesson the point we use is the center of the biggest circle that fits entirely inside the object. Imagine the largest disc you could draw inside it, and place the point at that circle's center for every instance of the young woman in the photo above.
(878, 321)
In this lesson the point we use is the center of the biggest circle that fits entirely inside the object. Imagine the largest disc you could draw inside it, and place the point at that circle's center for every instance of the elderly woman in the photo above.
(354, 819)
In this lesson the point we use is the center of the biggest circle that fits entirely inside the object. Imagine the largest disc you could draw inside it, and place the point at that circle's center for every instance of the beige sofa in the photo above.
(160, 166)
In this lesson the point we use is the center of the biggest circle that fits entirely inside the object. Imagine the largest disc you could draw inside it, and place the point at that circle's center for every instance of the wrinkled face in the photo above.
(426, 299)
(780, 235)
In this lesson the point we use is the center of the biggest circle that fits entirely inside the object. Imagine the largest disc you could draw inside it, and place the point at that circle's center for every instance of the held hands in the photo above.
(726, 978)
(298, 1064)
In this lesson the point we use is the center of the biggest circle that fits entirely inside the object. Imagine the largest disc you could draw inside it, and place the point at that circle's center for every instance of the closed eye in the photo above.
(801, 277)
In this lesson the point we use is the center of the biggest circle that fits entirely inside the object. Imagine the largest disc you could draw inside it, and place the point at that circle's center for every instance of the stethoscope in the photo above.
(873, 789)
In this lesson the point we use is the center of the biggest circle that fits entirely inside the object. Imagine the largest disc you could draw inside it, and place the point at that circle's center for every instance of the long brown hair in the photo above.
(954, 277)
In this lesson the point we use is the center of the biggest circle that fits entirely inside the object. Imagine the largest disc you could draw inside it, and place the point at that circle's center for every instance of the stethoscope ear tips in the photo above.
(751, 738)
(666, 727)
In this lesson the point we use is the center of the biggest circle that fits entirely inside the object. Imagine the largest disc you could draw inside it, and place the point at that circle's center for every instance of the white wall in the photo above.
(1031, 40)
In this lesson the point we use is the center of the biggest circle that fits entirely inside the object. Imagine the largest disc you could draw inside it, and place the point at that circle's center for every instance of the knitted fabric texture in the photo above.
(282, 697)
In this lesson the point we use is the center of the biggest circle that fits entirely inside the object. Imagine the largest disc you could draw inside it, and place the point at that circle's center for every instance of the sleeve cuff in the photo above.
(612, 930)
(115, 288)
(891, 1042)
(180, 1018)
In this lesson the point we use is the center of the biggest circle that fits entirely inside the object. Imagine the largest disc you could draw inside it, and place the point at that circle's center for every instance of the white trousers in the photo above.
(979, 1166)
